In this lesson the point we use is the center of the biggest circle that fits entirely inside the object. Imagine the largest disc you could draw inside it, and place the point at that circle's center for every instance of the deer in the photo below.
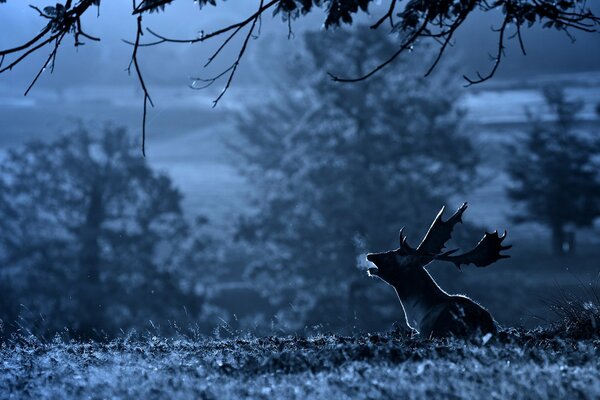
(428, 309)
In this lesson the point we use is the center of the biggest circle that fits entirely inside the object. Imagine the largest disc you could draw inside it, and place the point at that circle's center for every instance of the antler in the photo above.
(404, 244)
(440, 231)
(485, 253)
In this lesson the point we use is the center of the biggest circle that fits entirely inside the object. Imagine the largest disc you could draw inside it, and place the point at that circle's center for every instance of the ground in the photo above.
(515, 364)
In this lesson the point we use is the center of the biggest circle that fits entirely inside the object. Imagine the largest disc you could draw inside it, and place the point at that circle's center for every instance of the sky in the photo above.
(186, 135)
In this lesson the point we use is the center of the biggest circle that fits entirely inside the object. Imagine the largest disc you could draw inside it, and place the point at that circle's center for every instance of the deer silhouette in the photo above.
(429, 309)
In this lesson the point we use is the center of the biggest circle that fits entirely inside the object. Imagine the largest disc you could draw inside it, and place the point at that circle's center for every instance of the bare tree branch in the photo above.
(203, 37)
(448, 34)
(50, 60)
(497, 58)
(235, 64)
(147, 98)
(59, 25)
(407, 44)
(416, 21)
(388, 15)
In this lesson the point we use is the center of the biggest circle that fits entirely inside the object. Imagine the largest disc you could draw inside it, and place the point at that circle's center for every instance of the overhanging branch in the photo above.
(416, 21)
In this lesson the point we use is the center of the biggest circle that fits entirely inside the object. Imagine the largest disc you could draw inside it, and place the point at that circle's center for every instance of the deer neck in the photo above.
(420, 295)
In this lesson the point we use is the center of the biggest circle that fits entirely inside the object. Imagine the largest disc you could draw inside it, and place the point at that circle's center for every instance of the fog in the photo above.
(194, 144)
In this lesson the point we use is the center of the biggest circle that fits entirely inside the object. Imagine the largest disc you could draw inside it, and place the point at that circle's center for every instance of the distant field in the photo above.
(518, 365)
(186, 136)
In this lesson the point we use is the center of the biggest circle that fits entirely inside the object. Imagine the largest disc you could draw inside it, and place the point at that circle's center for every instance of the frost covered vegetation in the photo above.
(552, 362)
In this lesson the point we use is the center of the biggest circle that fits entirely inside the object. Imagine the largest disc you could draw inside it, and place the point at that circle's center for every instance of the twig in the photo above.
(222, 46)
(458, 22)
(29, 43)
(497, 59)
(239, 57)
(203, 37)
(408, 43)
(209, 81)
(50, 59)
(147, 98)
(521, 44)
(389, 14)
(57, 28)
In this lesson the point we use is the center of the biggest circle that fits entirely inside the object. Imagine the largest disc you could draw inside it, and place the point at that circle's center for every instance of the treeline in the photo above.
(95, 242)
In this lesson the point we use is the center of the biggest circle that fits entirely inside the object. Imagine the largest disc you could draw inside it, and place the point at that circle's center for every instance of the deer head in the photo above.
(392, 265)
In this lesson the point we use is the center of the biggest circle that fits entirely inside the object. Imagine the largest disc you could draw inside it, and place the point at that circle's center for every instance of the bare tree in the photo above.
(411, 23)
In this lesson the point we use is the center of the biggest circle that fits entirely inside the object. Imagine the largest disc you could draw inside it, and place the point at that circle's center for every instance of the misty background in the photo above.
(194, 145)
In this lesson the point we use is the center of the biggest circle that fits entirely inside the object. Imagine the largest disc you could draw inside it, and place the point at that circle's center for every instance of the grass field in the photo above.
(516, 364)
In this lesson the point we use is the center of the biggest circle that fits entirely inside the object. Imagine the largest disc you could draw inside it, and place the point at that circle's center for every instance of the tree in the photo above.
(340, 169)
(416, 21)
(555, 172)
(92, 238)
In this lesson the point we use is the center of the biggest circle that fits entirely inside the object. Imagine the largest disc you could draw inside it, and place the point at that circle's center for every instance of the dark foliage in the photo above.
(555, 171)
(578, 313)
(92, 240)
